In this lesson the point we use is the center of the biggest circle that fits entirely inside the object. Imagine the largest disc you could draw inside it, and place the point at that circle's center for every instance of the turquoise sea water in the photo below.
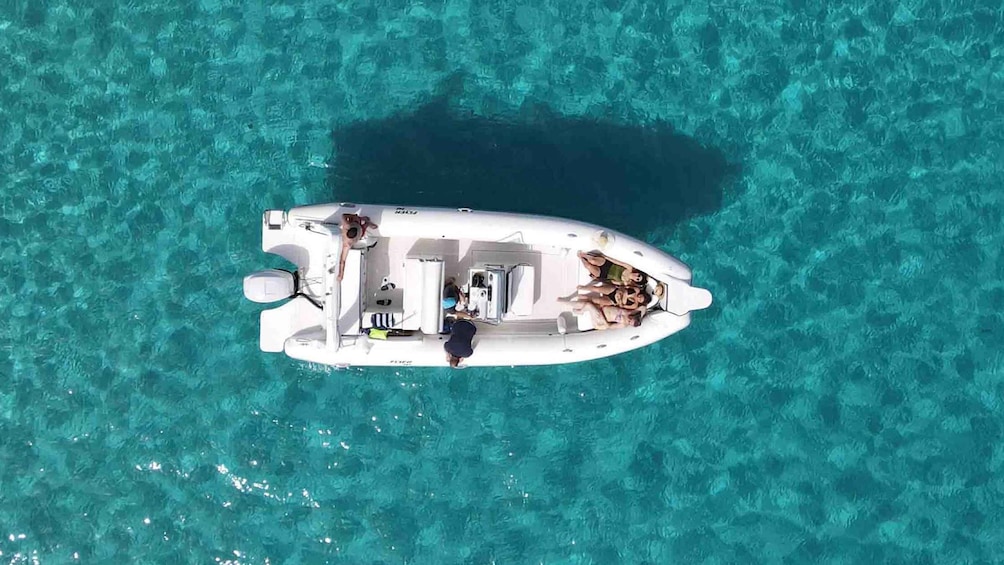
(832, 172)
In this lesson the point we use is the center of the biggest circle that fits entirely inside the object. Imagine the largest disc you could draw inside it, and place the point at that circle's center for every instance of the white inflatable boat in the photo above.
(513, 268)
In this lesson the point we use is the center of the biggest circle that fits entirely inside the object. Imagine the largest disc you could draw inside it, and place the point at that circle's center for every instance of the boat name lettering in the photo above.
(400, 362)
(405, 211)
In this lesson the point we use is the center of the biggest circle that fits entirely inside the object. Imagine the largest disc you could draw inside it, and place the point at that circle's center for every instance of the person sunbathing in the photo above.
(610, 317)
(608, 294)
(354, 228)
(605, 269)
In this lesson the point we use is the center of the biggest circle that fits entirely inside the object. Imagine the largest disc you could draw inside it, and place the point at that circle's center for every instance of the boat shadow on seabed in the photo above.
(634, 179)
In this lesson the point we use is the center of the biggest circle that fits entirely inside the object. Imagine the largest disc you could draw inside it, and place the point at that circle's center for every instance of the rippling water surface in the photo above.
(832, 172)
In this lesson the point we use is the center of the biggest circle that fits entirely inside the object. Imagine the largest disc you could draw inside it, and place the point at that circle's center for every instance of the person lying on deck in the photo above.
(610, 317)
(605, 269)
(607, 294)
(354, 228)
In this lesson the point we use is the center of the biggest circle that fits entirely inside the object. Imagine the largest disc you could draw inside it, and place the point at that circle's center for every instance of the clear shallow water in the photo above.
(840, 403)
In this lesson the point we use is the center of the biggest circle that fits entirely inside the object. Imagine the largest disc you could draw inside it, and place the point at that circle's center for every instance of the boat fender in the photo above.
(603, 239)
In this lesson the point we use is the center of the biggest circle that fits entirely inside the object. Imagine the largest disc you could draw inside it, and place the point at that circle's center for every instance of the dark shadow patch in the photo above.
(829, 410)
(648, 466)
(629, 178)
(857, 484)
(34, 15)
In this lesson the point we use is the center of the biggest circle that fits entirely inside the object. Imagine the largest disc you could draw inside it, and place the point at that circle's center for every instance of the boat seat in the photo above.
(567, 323)
(382, 319)
(520, 290)
(412, 295)
(423, 295)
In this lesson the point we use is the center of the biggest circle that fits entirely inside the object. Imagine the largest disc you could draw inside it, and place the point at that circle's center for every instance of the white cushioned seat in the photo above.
(521, 289)
(423, 295)
(412, 294)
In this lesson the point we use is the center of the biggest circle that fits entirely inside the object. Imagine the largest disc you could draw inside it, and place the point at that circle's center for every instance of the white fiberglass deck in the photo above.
(557, 271)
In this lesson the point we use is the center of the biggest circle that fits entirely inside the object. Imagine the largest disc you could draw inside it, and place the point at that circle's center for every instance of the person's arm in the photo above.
(594, 260)
(616, 262)
(601, 287)
(367, 224)
(623, 321)
(341, 259)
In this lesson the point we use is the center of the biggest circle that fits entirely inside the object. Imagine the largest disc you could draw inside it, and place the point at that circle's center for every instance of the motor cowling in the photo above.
(269, 286)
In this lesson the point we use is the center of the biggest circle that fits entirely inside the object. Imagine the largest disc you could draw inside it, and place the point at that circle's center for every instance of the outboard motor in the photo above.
(270, 285)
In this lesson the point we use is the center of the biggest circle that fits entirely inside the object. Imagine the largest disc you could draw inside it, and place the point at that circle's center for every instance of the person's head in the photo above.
(634, 318)
(630, 297)
(350, 223)
(644, 298)
(454, 360)
(637, 277)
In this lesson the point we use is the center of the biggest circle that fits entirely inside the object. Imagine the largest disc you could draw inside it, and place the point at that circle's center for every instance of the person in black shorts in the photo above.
(459, 346)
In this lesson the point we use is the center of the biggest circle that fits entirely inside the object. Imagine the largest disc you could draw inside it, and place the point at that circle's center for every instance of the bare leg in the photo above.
(589, 297)
(598, 287)
(589, 262)
(341, 260)
(599, 322)
(600, 300)
(597, 260)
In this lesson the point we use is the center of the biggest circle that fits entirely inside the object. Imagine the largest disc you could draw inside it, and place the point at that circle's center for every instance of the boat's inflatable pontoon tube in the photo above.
(681, 297)
(293, 317)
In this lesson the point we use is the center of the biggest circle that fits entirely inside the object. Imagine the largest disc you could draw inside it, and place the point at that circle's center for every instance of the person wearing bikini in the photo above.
(605, 269)
(610, 317)
(607, 294)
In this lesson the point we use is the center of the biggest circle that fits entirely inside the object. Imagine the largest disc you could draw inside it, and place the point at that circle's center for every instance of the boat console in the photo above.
(485, 293)
(495, 291)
